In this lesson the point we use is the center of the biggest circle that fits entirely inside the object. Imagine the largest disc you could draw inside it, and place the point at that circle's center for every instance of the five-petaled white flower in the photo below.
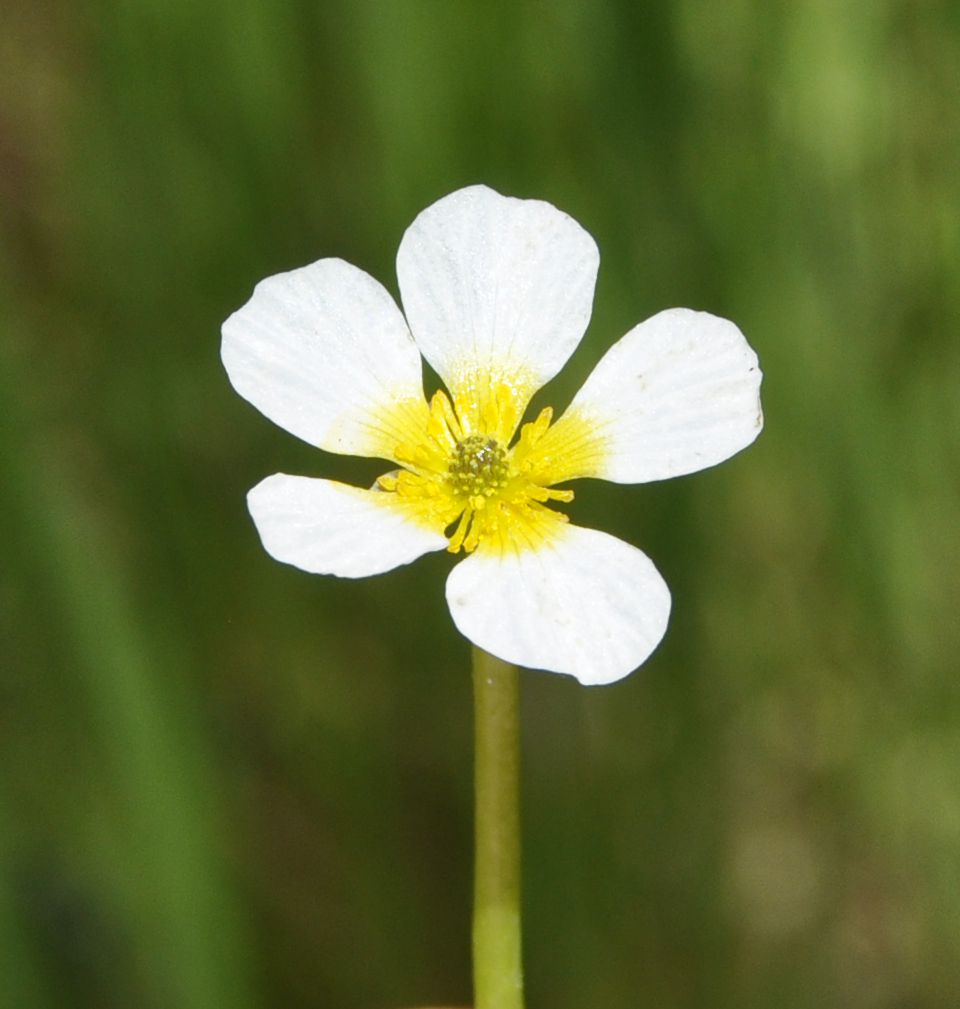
(497, 294)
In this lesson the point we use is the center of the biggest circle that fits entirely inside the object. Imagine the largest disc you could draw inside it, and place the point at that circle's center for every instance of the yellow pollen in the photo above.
(464, 477)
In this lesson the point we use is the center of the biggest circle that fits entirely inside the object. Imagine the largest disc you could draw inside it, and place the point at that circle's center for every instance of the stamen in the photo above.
(473, 538)
(456, 540)
(443, 423)
(549, 494)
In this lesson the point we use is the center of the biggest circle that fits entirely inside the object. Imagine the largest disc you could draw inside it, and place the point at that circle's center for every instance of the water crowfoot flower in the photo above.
(497, 293)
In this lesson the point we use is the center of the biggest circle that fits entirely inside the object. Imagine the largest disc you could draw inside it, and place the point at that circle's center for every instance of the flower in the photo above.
(497, 293)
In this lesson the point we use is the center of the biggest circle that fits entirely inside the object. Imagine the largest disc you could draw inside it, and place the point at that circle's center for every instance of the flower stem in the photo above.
(497, 971)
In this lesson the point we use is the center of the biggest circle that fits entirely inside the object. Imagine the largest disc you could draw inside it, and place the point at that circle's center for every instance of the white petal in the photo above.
(325, 353)
(493, 284)
(329, 528)
(680, 392)
(585, 603)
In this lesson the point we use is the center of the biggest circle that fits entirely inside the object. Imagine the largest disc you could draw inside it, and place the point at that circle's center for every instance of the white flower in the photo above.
(497, 293)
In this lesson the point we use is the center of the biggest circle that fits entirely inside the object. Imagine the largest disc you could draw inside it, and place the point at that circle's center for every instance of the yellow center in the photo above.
(464, 476)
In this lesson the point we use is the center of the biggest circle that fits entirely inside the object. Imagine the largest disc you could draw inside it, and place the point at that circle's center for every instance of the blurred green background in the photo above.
(225, 783)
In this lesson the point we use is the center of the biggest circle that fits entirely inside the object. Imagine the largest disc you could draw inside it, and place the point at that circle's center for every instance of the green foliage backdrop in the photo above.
(224, 783)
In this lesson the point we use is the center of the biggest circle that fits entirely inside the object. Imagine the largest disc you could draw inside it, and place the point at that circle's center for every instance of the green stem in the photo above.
(497, 971)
